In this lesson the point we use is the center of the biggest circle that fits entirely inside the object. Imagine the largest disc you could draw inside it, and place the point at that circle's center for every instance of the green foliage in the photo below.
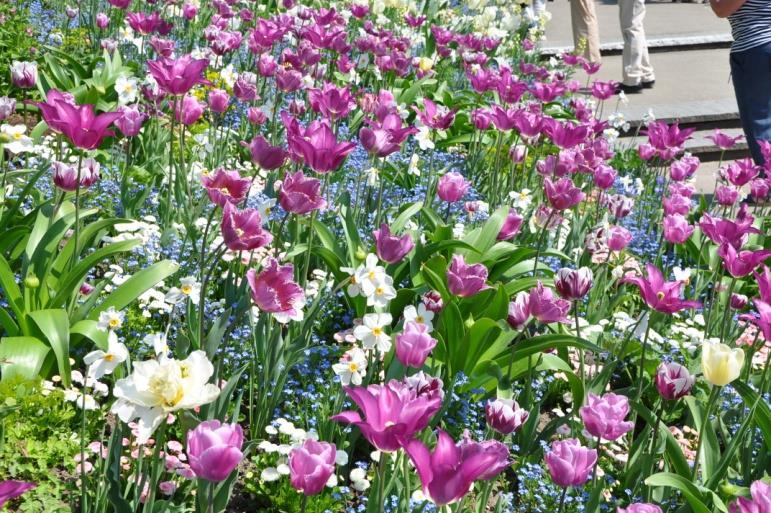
(16, 41)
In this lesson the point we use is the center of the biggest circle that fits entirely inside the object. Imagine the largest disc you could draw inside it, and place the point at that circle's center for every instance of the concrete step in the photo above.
(655, 45)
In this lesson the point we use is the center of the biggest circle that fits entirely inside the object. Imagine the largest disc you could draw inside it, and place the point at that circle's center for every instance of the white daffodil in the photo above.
(265, 207)
(372, 176)
(424, 138)
(352, 367)
(380, 292)
(104, 362)
(111, 319)
(354, 287)
(157, 387)
(522, 199)
(420, 315)
(17, 141)
(126, 87)
(372, 333)
(158, 342)
(369, 274)
(413, 168)
(188, 288)
(84, 402)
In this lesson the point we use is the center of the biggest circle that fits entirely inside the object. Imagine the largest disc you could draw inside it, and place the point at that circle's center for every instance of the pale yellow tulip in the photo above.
(721, 364)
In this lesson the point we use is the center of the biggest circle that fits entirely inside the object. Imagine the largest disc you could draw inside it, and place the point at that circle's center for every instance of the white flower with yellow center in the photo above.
(372, 332)
(15, 139)
(158, 387)
(424, 138)
(110, 320)
(369, 274)
(352, 367)
(188, 288)
(127, 88)
(522, 199)
(420, 315)
(379, 292)
(104, 362)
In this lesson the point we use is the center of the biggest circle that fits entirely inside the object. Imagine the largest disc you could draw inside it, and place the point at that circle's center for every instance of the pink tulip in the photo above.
(562, 194)
(102, 20)
(214, 449)
(646, 151)
(546, 308)
(570, 464)
(759, 503)
(12, 489)
(519, 310)
(189, 110)
(130, 121)
(225, 187)
(676, 229)
(740, 172)
(676, 204)
(393, 413)
(266, 156)
(189, 11)
(726, 195)
(573, 284)
(566, 135)
(673, 381)
(311, 465)
(617, 238)
(604, 416)
(640, 507)
(684, 168)
(604, 176)
(466, 280)
(319, 148)
(448, 472)
(245, 87)
(759, 189)
(741, 263)
(24, 74)
(435, 116)
(275, 291)
(79, 123)
(452, 187)
(300, 195)
(725, 231)
(242, 230)
(604, 90)
(414, 344)
(218, 100)
(505, 416)
(511, 225)
(763, 279)
(662, 296)
(256, 116)
(391, 248)
(178, 76)
(724, 141)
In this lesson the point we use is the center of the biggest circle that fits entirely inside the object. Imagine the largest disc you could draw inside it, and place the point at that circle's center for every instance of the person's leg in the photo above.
(751, 77)
(585, 27)
(635, 59)
(539, 6)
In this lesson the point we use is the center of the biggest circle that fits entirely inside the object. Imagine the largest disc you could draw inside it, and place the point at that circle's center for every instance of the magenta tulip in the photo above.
(562, 194)
(178, 76)
(452, 187)
(300, 195)
(242, 230)
(673, 381)
(275, 291)
(320, 150)
(505, 416)
(604, 416)
(435, 116)
(662, 296)
(266, 156)
(218, 100)
(640, 507)
(414, 344)
(189, 110)
(519, 310)
(225, 187)
(570, 464)
(759, 503)
(214, 449)
(511, 225)
(311, 465)
(466, 280)
(545, 307)
(676, 229)
(11, 489)
(741, 263)
(617, 238)
(391, 248)
(79, 123)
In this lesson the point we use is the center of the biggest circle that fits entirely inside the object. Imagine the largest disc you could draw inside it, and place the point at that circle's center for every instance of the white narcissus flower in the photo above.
(352, 367)
(420, 315)
(369, 274)
(424, 138)
(379, 293)
(372, 333)
(720, 363)
(188, 288)
(159, 343)
(126, 87)
(18, 142)
(111, 319)
(156, 388)
(104, 362)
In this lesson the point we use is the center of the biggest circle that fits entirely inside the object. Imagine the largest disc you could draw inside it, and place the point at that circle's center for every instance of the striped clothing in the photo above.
(751, 25)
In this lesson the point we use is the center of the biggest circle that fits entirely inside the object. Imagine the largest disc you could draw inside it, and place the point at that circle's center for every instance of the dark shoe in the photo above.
(627, 89)
(649, 84)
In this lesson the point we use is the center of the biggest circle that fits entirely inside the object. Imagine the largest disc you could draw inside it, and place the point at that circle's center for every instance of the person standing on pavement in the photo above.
(750, 66)
(637, 69)
(586, 29)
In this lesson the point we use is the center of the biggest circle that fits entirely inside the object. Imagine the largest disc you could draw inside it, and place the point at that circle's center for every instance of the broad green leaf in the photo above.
(401, 220)
(710, 451)
(22, 356)
(762, 413)
(689, 490)
(89, 329)
(55, 325)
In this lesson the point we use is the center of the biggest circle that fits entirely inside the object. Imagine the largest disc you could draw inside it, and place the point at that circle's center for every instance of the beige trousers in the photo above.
(585, 27)
(636, 62)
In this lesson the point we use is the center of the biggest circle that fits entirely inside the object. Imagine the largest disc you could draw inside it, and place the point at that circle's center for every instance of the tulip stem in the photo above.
(713, 394)
(640, 380)
(540, 242)
(381, 482)
(76, 231)
(654, 439)
(562, 499)
(304, 504)
(211, 498)
(727, 308)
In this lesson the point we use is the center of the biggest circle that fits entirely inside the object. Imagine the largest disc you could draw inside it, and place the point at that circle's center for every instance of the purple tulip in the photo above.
(300, 195)
(163, 47)
(511, 225)
(225, 187)
(604, 176)
(79, 123)
(178, 76)
(725, 231)
(618, 238)
(331, 102)
(505, 416)
(466, 280)
(640, 507)
(393, 413)
(119, 4)
(386, 136)
(24, 74)
(452, 187)
(673, 381)
(448, 472)
(275, 291)
(545, 307)
(266, 156)
(11, 489)
(319, 148)
(189, 110)
(519, 310)
(676, 229)
(570, 464)
(741, 263)
(245, 87)
(738, 301)
(414, 344)
(759, 503)
(130, 121)
(759, 187)
(311, 465)
(562, 194)
(391, 248)
(242, 230)
(218, 100)
(573, 284)
(662, 296)
(435, 116)
(604, 416)
(214, 449)
(189, 11)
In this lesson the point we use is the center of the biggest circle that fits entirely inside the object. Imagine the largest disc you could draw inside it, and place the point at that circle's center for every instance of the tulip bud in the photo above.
(738, 301)
(720, 364)
(31, 281)
(311, 465)
(673, 381)
(214, 449)
(505, 416)
(414, 345)
(573, 284)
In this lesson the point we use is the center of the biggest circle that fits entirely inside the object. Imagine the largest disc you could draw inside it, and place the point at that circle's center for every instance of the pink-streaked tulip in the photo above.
(466, 280)
(724, 141)
(741, 263)
(102, 20)
(65, 176)
(178, 76)
(391, 248)
(673, 381)
(448, 472)
(603, 416)
(79, 123)
(617, 238)
(570, 463)
(300, 194)
(24, 74)
(414, 344)
(726, 195)
(432, 300)
(546, 308)
(738, 301)
(511, 225)
(218, 100)
(320, 150)
(452, 187)
(435, 116)
(275, 291)
(242, 230)
(640, 507)
(676, 229)
(225, 187)
(505, 416)
(266, 156)
(130, 121)
(11, 489)
(311, 465)
(760, 502)
(573, 284)
(519, 310)
(189, 110)
(620, 206)
(660, 295)
(562, 194)
(214, 449)
(7, 107)
(393, 413)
